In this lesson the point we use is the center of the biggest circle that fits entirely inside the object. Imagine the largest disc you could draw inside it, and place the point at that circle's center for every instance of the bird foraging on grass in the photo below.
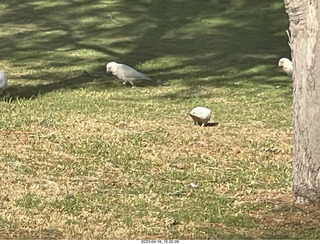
(3, 81)
(125, 73)
(200, 115)
(286, 66)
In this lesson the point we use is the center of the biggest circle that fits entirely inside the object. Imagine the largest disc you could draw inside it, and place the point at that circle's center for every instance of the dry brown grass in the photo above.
(47, 165)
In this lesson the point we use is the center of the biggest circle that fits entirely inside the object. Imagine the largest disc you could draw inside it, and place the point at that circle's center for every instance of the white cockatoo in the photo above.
(286, 65)
(3, 81)
(125, 73)
(200, 115)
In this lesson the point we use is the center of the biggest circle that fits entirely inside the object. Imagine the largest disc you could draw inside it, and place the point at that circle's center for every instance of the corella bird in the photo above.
(200, 115)
(125, 73)
(286, 65)
(3, 81)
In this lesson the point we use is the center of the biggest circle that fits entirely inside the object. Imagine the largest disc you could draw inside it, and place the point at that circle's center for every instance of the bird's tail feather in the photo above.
(146, 77)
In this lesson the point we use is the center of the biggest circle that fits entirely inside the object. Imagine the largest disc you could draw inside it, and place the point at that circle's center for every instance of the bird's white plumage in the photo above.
(125, 73)
(3, 81)
(286, 65)
(200, 115)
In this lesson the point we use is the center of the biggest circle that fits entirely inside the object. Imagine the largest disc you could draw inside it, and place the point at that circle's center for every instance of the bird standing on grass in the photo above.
(286, 66)
(3, 81)
(125, 73)
(200, 115)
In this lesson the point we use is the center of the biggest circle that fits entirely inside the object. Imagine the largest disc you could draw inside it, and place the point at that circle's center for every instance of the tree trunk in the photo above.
(304, 40)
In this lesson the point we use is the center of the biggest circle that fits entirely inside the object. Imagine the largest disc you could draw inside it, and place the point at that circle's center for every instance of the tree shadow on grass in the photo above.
(221, 43)
(207, 43)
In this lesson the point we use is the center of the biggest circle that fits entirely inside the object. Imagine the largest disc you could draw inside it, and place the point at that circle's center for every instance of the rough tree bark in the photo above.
(304, 41)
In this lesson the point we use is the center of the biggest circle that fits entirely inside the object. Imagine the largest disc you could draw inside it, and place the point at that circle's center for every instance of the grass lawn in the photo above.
(86, 157)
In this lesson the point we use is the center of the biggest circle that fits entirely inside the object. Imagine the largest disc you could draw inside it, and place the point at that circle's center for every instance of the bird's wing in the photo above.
(129, 73)
(3, 80)
(201, 113)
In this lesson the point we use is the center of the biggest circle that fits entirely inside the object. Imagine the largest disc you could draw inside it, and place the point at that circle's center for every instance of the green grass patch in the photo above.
(85, 157)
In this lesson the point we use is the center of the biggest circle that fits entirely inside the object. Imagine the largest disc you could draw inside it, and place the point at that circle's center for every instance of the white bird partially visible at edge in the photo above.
(125, 73)
(286, 66)
(200, 115)
(3, 81)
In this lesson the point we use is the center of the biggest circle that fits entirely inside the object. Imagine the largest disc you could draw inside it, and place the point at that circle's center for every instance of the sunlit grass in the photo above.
(84, 157)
